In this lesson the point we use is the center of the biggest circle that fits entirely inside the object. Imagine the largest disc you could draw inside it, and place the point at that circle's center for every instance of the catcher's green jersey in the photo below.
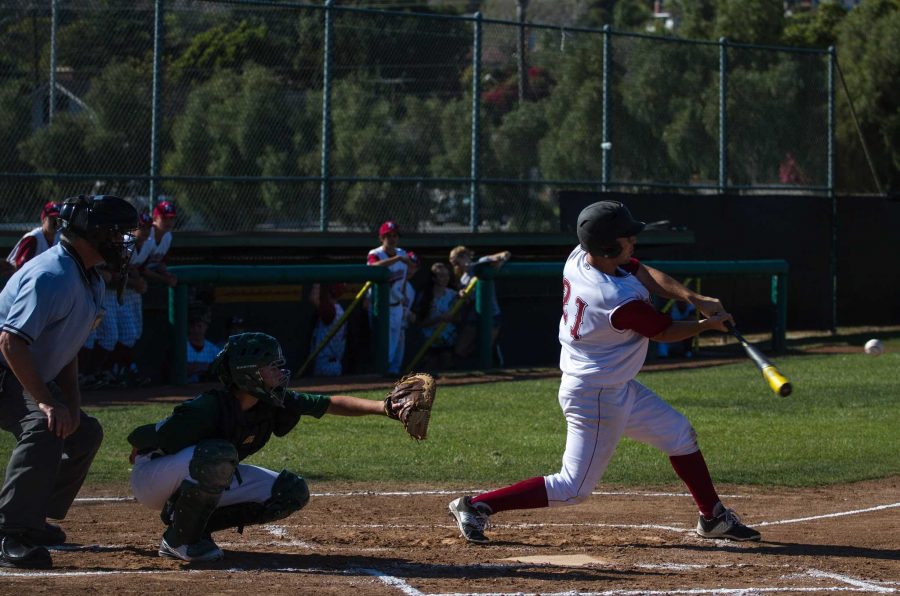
(217, 414)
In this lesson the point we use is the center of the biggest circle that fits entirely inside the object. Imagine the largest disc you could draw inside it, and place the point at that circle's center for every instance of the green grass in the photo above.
(841, 424)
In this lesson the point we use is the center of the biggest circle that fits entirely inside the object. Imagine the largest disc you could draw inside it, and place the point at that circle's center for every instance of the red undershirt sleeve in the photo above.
(640, 317)
(631, 266)
(372, 260)
(26, 251)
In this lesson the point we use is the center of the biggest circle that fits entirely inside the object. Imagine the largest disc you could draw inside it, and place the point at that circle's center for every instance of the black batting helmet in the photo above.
(601, 223)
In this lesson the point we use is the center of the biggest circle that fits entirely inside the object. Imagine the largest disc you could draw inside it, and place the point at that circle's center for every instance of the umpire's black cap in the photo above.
(600, 223)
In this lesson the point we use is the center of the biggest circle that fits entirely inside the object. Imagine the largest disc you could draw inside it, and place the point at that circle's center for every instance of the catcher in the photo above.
(187, 465)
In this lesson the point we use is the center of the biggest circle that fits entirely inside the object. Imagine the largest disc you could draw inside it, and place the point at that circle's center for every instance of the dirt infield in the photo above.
(398, 540)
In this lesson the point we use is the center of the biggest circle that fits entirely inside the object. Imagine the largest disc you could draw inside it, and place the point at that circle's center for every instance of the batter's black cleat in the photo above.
(471, 518)
(16, 553)
(726, 524)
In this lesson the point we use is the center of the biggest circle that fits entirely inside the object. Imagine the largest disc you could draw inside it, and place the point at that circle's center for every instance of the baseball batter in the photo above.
(607, 322)
(396, 260)
(187, 465)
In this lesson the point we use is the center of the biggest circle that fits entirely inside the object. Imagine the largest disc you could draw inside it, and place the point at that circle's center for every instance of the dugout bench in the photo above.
(274, 274)
(287, 274)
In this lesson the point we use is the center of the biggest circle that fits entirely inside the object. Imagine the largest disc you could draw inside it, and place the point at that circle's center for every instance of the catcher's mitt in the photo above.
(415, 392)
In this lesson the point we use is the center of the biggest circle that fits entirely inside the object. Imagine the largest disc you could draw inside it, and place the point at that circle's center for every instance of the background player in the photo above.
(187, 464)
(604, 331)
(159, 242)
(462, 260)
(395, 259)
(37, 240)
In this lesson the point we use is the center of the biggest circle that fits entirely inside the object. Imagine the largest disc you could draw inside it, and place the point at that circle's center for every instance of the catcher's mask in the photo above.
(106, 222)
(601, 223)
(240, 361)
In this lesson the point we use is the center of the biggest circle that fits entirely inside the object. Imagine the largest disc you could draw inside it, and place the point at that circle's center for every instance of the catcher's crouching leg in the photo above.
(290, 493)
(188, 511)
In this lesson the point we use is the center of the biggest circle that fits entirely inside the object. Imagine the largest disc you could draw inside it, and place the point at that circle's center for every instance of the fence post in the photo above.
(178, 307)
(606, 145)
(476, 125)
(158, 34)
(779, 298)
(831, 193)
(325, 183)
(382, 315)
(723, 114)
(484, 291)
(54, 25)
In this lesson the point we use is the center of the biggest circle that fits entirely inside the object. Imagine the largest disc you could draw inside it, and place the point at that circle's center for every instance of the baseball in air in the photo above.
(874, 347)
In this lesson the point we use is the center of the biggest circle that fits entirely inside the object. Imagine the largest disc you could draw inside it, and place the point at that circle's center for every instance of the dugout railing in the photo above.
(777, 268)
(189, 275)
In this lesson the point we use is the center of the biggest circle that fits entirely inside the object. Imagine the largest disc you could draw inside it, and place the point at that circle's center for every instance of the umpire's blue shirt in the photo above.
(52, 303)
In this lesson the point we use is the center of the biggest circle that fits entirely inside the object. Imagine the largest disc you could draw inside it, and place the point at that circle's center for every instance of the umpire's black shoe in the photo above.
(22, 555)
(725, 523)
(49, 535)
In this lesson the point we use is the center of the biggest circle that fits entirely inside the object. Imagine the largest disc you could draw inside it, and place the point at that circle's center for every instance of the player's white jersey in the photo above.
(157, 252)
(591, 346)
(397, 277)
(42, 245)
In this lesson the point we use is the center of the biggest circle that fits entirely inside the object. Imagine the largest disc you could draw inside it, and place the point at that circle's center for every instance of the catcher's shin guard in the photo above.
(212, 466)
(290, 493)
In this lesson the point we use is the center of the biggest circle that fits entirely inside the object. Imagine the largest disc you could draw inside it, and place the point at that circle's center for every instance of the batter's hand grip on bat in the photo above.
(777, 382)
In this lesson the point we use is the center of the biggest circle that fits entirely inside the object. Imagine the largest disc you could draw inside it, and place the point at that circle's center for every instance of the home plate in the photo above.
(561, 560)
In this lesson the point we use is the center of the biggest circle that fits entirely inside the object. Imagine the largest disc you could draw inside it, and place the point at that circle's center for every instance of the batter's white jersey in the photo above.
(591, 346)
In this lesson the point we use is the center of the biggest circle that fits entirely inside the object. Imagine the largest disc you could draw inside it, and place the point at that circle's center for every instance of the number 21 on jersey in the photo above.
(580, 305)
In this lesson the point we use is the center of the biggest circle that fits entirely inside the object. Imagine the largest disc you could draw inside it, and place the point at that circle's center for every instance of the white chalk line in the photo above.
(827, 515)
(856, 582)
(852, 584)
(419, 493)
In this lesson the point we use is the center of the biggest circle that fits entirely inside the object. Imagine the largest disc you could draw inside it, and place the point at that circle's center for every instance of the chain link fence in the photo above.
(257, 116)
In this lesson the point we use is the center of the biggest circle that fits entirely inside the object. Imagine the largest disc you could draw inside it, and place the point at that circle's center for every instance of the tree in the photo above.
(815, 29)
(235, 124)
(750, 21)
(867, 52)
(113, 31)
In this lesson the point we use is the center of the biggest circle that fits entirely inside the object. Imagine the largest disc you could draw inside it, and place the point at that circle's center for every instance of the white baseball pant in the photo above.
(596, 418)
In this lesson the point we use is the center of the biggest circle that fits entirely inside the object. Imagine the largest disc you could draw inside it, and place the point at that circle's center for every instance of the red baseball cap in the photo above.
(413, 257)
(388, 227)
(144, 220)
(165, 209)
(50, 209)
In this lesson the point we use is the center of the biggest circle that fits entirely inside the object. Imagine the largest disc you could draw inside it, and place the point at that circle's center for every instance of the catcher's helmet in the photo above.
(106, 222)
(239, 362)
(601, 223)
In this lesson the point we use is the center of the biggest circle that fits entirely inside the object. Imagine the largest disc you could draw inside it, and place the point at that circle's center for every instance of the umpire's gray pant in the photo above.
(44, 472)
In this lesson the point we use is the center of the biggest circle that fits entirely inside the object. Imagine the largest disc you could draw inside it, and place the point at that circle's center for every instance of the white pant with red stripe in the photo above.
(597, 416)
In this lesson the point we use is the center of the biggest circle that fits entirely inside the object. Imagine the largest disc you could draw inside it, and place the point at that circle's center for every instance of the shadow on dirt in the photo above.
(400, 568)
(793, 549)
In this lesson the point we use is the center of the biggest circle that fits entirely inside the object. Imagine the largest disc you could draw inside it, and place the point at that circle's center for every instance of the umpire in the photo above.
(47, 309)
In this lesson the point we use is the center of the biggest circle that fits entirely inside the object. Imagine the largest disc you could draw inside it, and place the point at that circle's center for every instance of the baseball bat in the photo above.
(777, 381)
(334, 328)
(443, 324)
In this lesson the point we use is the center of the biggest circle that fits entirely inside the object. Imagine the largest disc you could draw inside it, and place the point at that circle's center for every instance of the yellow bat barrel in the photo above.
(776, 380)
